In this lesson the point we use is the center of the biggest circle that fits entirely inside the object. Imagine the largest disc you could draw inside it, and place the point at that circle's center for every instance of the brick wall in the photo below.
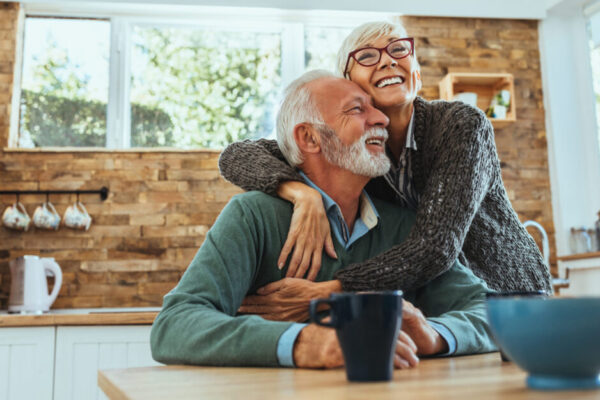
(495, 45)
(161, 204)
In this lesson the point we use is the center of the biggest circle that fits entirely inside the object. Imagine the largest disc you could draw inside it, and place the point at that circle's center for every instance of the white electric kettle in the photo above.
(29, 287)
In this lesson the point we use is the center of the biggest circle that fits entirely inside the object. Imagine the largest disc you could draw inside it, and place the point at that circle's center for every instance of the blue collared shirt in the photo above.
(368, 218)
(400, 176)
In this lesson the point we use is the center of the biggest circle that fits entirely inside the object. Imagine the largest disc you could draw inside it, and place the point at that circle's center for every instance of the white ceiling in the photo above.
(519, 9)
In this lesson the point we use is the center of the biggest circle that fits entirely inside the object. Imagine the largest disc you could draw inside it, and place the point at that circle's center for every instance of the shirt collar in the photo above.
(410, 135)
(410, 142)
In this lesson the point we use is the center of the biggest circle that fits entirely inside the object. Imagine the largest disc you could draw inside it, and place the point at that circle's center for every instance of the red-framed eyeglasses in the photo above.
(369, 56)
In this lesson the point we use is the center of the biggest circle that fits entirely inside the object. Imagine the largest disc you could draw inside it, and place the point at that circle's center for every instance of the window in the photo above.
(594, 33)
(202, 87)
(119, 81)
(322, 44)
(64, 89)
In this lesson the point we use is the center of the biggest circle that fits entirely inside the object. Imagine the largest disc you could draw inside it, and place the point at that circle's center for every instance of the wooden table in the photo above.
(471, 377)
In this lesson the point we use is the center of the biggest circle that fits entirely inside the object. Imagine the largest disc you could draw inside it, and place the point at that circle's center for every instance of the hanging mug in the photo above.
(16, 217)
(46, 217)
(77, 217)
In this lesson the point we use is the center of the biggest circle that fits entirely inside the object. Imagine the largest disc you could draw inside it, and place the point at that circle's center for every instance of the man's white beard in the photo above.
(355, 157)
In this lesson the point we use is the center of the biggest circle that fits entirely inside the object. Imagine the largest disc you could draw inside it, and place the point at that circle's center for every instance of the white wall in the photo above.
(570, 119)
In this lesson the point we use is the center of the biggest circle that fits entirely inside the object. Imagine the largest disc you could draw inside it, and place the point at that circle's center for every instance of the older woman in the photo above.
(445, 167)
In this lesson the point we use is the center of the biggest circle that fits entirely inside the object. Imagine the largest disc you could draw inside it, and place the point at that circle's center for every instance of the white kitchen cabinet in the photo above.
(583, 273)
(26, 363)
(83, 350)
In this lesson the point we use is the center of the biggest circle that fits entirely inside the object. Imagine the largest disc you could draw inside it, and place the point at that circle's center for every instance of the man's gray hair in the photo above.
(368, 33)
(297, 107)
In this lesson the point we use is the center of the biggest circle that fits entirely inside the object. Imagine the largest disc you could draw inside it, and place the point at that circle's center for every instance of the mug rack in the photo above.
(103, 192)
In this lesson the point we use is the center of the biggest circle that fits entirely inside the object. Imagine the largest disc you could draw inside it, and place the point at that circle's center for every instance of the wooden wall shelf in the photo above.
(486, 85)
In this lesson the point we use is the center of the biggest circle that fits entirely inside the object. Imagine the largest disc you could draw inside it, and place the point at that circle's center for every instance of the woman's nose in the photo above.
(386, 60)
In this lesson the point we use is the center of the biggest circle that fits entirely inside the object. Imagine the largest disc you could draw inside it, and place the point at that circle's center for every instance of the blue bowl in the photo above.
(556, 340)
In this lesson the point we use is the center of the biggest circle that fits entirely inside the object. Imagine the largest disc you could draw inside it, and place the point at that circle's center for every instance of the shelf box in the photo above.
(486, 85)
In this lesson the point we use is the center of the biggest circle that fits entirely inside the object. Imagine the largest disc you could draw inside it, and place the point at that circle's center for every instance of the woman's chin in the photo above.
(392, 101)
(391, 96)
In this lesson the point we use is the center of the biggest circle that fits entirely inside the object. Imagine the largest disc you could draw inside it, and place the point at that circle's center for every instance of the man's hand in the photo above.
(427, 339)
(406, 352)
(317, 347)
(287, 299)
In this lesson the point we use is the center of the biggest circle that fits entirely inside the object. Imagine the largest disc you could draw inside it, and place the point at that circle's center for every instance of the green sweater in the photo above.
(198, 322)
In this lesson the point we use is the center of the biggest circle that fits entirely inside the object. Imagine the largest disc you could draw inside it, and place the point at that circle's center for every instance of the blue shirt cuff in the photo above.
(285, 345)
(447, 335)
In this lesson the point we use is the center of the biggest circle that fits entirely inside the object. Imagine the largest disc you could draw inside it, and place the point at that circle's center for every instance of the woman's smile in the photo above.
(389, 81)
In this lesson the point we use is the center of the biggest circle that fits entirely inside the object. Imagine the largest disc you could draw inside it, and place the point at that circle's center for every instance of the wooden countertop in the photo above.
(482, 376)
(580, 256)
(96, 317)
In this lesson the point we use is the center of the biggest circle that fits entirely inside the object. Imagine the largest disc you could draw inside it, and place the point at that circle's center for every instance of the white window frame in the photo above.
(122, 18)
(571, 126)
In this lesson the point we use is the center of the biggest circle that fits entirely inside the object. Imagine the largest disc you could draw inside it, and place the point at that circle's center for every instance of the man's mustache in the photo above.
(375, 132)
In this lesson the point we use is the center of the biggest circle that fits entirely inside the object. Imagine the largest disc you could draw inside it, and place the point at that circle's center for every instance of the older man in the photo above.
(328, 128)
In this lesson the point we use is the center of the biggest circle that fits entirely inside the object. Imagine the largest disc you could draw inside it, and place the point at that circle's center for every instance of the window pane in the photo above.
(595, 58)
(322, 44)
(204, 88)
(64, 89)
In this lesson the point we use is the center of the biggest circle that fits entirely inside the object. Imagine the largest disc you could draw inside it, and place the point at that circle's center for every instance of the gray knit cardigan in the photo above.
(463, 208)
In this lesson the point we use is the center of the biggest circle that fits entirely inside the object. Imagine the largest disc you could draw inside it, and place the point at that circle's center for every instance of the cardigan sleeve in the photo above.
(198, 322)
(456, 300)
(256, 165)
(460, 178)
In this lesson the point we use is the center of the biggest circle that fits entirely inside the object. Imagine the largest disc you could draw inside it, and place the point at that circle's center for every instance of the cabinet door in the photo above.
(26, 363)
(83, 350)
(583, 274)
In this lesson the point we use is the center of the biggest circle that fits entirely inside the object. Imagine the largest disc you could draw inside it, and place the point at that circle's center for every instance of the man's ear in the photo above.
(307, 138)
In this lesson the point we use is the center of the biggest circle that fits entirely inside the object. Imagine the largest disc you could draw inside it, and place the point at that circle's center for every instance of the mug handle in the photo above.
(21, 207)
(87, 225)
(51, 206)
(80, 204)
(56, 214)
(24, 212)
(316, 318)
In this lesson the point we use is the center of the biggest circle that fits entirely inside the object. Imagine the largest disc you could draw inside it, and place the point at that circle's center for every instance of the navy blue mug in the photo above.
(367, 326)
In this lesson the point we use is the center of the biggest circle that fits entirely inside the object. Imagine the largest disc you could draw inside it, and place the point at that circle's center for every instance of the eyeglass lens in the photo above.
(371, 55)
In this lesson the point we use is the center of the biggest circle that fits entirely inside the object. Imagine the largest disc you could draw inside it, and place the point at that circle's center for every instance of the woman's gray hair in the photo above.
(296, 108)
(368, 33)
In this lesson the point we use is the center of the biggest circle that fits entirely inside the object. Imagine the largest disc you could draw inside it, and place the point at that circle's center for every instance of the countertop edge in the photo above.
(108, 318)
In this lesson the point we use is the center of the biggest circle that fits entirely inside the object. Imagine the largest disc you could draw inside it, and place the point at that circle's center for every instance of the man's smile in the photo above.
(375, 143)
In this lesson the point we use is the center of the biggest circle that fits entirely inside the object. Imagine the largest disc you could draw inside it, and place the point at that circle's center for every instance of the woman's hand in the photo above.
(287, 299)
(309, 231)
